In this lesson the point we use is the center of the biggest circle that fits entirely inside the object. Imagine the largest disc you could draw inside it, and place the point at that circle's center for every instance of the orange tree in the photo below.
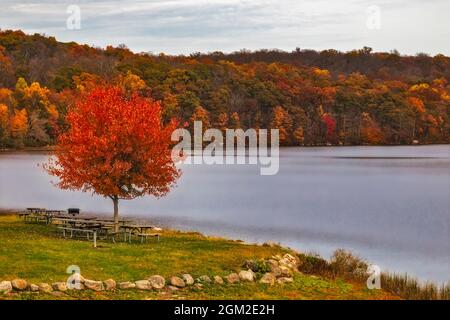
(116, 146)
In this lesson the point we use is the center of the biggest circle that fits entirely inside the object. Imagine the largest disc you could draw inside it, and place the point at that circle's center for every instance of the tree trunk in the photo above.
(116, 213)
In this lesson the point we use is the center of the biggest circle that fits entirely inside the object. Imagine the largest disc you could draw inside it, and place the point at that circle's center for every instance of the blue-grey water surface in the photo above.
(390, 205)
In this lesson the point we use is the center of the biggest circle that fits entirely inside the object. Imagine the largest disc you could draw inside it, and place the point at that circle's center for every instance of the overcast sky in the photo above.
(186, 26)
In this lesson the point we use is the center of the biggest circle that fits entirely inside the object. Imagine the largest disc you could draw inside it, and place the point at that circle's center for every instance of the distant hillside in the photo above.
(314, 98)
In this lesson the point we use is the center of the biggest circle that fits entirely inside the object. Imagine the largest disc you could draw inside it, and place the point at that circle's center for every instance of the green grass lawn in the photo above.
(34, 252)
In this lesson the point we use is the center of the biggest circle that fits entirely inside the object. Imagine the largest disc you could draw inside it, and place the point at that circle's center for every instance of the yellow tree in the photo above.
(35, 98)
(4, 119)
(19, 126)
(132, 83)
(282, 121)
(201, 114)
(86, 81)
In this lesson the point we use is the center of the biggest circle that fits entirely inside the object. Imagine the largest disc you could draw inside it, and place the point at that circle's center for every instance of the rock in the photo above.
(59, 286)
(287, 264)
(290, 262)
(127, 285)
(80, 278)
(204, 279)
(94, 285)
(232, 278)
(34, 287)
(177, 282)
(272, 263)
(188, 279)
(218, 280)
(291, 259)
(157, 282)
(277, 257)
(276, 271)
(5, 286)
(285, 271)
(247, 275)
(76, 282)
(198, 286)
(109, 284)
(143, 285)
(172, 288)
(19, 284)
(45, 287)
(284, 280)
(268, 278)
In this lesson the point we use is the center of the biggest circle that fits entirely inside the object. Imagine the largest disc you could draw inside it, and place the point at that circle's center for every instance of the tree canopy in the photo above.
(313, 97)
(116, 146)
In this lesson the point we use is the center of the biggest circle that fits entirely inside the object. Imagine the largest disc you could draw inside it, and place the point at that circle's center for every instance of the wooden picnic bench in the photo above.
(35, 218)
(77, 230)
(146, 235)
(140, 231)
(39, 215)
(51, 214)
(72, 220)
(69, 222)
(23, 215)
(35, 210)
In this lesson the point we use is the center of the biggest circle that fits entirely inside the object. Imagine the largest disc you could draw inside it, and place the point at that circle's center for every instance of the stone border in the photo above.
(282, 269)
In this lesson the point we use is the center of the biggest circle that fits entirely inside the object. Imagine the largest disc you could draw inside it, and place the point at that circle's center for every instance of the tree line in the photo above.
(313, 97)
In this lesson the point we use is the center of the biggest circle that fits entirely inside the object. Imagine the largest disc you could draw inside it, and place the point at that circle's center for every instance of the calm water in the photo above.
(389, 205)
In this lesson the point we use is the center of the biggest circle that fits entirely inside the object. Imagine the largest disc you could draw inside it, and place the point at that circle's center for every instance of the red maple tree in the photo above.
(116, 146)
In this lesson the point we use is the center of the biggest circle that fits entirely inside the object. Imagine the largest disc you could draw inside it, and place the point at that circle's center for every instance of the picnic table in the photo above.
(66, 218)
(90, 225)
(39, 214)
(50, 214)
(36, 210)
(140, 230)
(23, 215)
(81, 226)
(84, 223)
(32, 214)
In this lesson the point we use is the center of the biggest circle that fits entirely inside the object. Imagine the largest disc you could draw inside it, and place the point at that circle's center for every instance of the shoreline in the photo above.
(268, 243)
(224, 269)
(52, 148)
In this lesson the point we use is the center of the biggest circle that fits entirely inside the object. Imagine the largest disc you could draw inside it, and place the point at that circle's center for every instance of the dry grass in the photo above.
(345, 265)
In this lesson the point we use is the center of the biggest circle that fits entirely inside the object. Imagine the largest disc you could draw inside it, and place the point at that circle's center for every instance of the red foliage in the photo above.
(116, 147)
(331, 125)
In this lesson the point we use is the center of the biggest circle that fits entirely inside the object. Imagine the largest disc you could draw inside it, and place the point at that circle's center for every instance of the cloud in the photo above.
(184, 26)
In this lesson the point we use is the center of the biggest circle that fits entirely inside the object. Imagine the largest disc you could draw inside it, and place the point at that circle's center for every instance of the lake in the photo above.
(390, 205)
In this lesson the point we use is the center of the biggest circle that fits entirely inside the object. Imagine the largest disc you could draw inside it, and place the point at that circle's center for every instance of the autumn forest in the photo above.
(313, 98)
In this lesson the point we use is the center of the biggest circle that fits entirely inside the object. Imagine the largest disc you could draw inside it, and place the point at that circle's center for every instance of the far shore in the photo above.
(52, 148)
